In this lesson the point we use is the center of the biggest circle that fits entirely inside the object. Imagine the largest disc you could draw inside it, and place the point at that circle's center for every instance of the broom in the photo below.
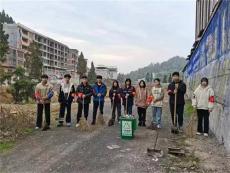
(111, 121)
(190, 130)
(100, 118)
(83, 124)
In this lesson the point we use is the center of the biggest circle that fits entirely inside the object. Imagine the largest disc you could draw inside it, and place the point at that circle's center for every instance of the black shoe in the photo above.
(139, 124)
(60, 125)
(93, 123)
(46, 128)
(143, 124)
(111, 122)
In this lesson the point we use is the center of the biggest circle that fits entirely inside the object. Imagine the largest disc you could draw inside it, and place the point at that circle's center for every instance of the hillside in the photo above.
(160, 69)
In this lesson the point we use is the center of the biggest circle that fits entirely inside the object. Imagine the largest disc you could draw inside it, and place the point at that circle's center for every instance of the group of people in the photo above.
(128, 96)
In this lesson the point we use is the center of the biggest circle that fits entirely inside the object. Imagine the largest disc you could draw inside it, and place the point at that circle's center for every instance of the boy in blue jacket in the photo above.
(99, 93)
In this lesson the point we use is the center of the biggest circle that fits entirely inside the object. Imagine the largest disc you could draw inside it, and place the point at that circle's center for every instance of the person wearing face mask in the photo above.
(177, 87)
(203, 101)
(43, 95)
(128, 94)
(65, 98)
(140, 101)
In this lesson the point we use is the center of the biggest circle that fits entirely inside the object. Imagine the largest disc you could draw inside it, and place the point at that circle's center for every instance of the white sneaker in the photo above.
(206, 134)
(77, 125)
(36, 128)
(158, 126)
(68, 124)
(198, 133)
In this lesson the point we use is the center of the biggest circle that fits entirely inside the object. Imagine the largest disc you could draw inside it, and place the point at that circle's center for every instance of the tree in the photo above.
(92, 74)
(3, 44)
(82, 65)
(165, 79)
(170, 78)
(33, 61)
(23, 87)
(5, 18)
(121, 78)
(151, 77)
(4, 76)
(148, 77)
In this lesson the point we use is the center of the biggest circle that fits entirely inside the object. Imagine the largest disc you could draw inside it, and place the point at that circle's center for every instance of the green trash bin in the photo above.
(127, 127)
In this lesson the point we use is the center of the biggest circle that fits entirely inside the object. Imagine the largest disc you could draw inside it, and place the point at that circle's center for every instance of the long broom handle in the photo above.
(126, 105)
(175, 104)
(83, 106)
(156, 139)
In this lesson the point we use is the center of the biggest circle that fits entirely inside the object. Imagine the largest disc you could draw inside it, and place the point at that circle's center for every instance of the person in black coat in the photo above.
(65, 98)
(115, 96)
(128, 93)
(178, 87)
(84, 93)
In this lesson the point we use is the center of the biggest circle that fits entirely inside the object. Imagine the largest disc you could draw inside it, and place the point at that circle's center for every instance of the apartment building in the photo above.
(57, 57)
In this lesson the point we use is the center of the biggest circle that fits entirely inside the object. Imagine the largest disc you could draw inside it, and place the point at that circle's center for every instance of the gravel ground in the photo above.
(69, 150)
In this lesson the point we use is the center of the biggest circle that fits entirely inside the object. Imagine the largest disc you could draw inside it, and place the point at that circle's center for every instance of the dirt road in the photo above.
(69, 150)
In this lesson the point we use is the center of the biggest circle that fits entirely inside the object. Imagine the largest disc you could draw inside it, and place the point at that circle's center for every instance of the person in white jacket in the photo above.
(203, 101)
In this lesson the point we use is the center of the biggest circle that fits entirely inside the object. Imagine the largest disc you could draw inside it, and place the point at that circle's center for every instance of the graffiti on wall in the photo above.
(211, 59)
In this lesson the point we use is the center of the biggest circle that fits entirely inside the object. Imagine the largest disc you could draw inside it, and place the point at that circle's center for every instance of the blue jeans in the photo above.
(157, 111)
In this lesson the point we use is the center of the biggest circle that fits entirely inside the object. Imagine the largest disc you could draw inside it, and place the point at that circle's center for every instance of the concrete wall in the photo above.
(212, 59)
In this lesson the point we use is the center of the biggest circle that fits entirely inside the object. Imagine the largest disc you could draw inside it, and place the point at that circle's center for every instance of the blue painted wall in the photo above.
(212, 59)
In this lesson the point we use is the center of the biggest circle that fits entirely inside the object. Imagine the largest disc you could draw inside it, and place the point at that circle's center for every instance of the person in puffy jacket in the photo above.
(140, 101)
(203, 101)
(99, 93)
(177, 87)
(65, 98)
(128, 94)
(84, 93)
(43, 95)
(158, 94)
(115, 97)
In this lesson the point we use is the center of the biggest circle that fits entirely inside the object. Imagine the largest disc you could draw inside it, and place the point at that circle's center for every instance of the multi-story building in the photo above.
(57, 57)
(15, 56)
(210, 58)
(109, 72)
(204, 11)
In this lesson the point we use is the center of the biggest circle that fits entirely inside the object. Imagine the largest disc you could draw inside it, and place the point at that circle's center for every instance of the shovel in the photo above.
(153, 151)
(174, 129)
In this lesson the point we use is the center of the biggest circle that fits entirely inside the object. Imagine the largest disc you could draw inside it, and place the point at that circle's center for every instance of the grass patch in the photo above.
(28, 131)
(6, 146)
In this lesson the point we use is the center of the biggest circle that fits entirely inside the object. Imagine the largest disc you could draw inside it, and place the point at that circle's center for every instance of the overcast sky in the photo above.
(128, 34)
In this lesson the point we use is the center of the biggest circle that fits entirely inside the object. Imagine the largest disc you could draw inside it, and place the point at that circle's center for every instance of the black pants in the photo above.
(40, 108)
(142, 114)
(79, 112)
(63, 107)
(203, 119)
(95, 108)
(116, 106)
(179, 112)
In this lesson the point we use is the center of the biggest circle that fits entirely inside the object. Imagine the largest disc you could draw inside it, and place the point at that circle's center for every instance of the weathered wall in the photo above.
(212, 59)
